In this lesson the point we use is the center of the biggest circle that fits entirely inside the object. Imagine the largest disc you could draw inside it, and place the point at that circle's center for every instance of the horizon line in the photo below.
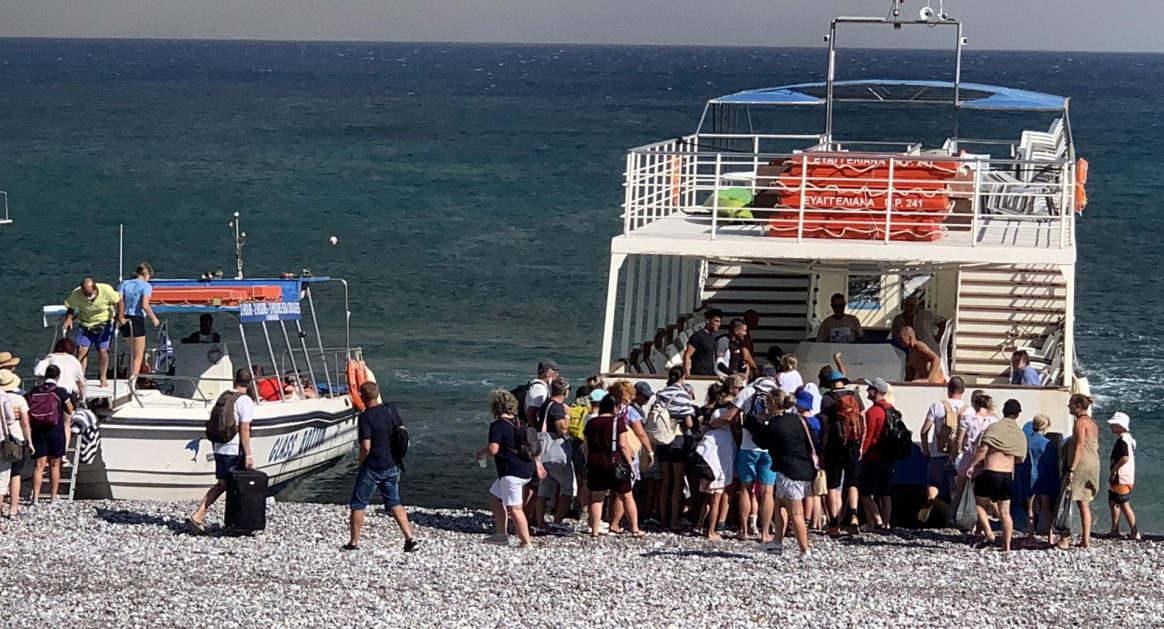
(532, 43)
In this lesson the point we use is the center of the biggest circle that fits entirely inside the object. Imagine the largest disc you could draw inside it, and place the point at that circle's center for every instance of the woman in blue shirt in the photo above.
(132, 310)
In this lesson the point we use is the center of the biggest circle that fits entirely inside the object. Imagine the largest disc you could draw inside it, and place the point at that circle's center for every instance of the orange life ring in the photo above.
(1080, 184)
(357, 375)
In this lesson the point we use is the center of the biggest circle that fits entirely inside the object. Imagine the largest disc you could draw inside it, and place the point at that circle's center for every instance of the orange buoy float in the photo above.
(357, 375)
(1080, 184)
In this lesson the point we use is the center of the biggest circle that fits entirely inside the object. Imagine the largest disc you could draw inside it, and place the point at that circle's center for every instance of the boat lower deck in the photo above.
(1003, 239)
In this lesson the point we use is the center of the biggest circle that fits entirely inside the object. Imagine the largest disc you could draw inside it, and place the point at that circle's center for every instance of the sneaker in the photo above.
(411, 544)
(542, 532)
(561, 530)
(498, 539)
(806, 554)
(753, 525)
(923, 516)
(774, 548)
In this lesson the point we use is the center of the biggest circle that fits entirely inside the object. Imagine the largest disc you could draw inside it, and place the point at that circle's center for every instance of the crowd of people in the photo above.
(773, 456)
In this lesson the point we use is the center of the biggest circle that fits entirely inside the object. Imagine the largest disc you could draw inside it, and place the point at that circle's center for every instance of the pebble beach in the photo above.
(127, 564)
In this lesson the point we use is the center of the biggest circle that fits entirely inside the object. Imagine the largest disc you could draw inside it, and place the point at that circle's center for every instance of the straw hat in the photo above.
(9, 381)
(8, 360)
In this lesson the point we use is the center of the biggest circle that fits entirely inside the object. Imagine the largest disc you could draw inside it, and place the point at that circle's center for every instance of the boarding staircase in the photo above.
(1004, 308)
(781, 300)
(69, 464)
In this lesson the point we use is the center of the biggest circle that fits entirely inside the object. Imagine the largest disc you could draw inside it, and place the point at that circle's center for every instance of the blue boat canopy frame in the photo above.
(970, 95)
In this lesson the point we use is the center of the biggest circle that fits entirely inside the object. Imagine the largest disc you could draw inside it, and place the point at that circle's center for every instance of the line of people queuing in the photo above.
(782, 456)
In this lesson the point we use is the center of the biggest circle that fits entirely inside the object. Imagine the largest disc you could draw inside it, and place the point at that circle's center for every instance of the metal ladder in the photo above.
(68, 486)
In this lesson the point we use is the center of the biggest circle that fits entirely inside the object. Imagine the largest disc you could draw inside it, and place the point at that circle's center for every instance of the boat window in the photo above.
(864, 292)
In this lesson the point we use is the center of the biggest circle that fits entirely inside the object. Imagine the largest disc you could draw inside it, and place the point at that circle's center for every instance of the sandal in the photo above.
(638, 534)
(194, 526)
(349, 546)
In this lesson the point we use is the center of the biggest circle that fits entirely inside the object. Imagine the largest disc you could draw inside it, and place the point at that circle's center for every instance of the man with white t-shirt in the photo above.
(539, 390)
(233, 454)
(940, 470)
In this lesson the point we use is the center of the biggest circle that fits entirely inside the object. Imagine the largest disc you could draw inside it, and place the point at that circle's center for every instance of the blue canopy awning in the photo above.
(971, 95)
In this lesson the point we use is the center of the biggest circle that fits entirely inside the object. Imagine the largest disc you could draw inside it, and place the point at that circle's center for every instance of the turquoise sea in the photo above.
(474, 190)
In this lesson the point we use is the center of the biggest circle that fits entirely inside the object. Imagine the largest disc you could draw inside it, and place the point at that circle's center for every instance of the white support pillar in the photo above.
(686, 295)
(652, 302)
(665, 292)
(627, 306)
(640, 302)
(616, 261)
(678, 307)
(1068, 271)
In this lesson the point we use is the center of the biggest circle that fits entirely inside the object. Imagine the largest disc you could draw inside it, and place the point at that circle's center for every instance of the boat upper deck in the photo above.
(1008, 202)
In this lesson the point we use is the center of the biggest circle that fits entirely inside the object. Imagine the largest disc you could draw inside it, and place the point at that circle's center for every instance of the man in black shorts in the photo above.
(1001, 447)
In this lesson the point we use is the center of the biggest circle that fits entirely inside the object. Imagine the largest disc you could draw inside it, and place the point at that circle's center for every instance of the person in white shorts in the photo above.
(786, 438)
(514, 471)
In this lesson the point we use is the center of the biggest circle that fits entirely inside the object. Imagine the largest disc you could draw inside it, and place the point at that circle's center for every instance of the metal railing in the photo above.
(829, 191)
(334, 360)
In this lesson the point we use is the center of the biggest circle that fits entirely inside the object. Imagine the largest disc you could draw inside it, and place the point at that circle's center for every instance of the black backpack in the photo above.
(222, 426)
(520, 392)
(398, 442)
(896, 439)
(525, 441)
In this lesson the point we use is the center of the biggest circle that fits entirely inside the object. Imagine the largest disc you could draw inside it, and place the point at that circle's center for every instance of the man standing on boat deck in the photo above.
(921, 363)
(92, 307)
(699, 357)
(378, 467)
(840, 327)
(1022, 373)
(233, 454)
(925, 324)
(730, 356)
(752, 320)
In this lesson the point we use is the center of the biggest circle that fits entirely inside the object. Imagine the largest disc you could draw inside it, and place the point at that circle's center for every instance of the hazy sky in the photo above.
(1127, 25)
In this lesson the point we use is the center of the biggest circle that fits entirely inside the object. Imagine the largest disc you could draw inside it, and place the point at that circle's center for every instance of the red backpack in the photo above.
(44, 407)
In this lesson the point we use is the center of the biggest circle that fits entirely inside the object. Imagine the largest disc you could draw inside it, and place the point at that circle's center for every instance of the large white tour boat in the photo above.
(742, 215)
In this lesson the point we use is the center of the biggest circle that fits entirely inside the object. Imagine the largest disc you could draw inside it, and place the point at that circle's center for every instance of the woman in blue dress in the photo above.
(1043, 466)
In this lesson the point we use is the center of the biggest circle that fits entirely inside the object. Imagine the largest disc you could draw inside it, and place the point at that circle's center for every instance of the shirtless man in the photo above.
(921, 364)
(1002, 446)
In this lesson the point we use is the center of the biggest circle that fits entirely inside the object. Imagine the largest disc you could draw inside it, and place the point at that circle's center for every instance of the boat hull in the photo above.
(152, 453)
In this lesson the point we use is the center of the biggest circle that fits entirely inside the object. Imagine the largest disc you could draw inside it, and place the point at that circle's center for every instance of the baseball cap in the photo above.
(1120, 419)
(643, 389)
(597, 395)
(769, 372)
(547, 365)
(880, 384)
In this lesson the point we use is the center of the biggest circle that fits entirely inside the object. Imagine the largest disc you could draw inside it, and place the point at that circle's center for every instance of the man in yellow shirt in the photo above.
(92, 306)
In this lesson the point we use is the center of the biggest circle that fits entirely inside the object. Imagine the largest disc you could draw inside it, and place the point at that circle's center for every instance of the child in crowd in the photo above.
(1123, 475)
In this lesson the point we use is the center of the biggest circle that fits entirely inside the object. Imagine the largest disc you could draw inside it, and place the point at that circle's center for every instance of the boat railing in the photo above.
(893, 195)
(334, 360)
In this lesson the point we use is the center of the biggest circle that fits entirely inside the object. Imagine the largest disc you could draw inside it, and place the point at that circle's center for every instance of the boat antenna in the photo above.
(120, 252)
(240, 239)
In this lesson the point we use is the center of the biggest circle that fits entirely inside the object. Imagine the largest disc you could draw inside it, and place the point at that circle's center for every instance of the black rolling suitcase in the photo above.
(246, 501)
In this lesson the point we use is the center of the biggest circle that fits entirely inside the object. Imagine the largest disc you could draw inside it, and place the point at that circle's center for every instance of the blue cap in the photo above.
(643, 388)
(597, 395)
(838, 376)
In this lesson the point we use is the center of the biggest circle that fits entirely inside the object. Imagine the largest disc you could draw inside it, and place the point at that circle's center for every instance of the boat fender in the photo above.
(357, 375)
(1080, 184)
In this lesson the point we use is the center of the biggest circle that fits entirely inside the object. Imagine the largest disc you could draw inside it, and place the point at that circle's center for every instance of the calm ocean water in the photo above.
(474, 190)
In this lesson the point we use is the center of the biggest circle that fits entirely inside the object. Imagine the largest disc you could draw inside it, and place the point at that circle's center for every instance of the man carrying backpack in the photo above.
(553, 428)
(379, 467)
(49, 408)
(229, 431)
(875, 479)
(841, 415)
(942, 419)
